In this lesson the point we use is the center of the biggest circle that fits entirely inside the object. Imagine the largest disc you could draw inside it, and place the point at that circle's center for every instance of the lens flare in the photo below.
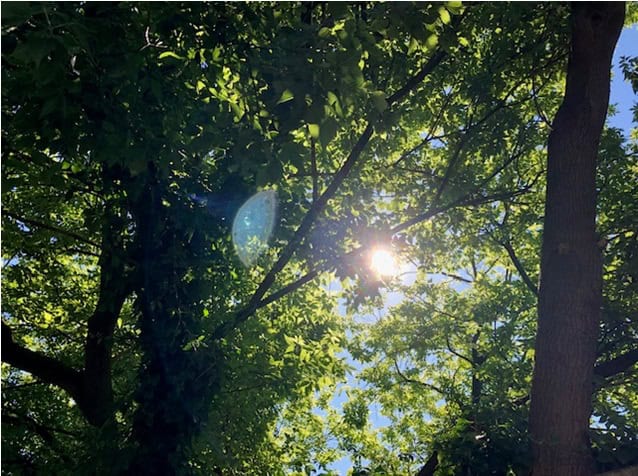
(383, 263)
(253, 225)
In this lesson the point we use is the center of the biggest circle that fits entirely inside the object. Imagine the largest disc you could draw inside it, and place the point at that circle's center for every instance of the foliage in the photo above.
(415, 126)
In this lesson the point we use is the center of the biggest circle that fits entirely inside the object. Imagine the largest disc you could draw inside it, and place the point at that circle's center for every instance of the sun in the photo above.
(383, 263)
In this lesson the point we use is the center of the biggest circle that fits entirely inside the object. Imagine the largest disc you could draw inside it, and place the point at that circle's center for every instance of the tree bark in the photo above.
(176, 385)
(570, 294)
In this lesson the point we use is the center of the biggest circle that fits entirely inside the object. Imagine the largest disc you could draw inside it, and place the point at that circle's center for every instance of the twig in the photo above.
(414, 381)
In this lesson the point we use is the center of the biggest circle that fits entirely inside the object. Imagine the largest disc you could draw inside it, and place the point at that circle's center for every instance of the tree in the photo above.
(570, 293)
(470, 345)
(117, 115)
(134, 340)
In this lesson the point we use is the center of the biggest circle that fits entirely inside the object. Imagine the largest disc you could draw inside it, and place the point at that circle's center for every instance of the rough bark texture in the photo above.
(570, 294)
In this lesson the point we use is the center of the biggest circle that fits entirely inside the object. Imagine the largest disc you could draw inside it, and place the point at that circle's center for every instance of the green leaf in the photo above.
(328, 131)
(314, 130)
(170, 54)
(432, 41)
(286, 96)
(324, 32)
(379, 100)
(15, 13)
(444, 15)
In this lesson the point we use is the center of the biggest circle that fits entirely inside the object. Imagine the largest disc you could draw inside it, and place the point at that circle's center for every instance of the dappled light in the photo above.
(294, 238)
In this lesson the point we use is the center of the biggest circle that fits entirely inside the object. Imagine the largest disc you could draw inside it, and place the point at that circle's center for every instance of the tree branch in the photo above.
(45, 431)
(414, 381)
(91, 388)
(47, 226)
(430, 465)
(414, 81)
(319, 204)
(519, 267)
(464, 201)
(460, 356)
(456, 277)
(43, 367)
(619, 364)
(115, 286)
(307, 222)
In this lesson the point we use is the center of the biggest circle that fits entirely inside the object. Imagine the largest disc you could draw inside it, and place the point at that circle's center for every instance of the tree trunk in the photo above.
(570, 294)
(176, 385)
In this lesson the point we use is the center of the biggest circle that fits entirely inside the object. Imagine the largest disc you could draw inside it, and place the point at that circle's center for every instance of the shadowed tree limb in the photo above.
(430, 465)
(519, 267)
(407, 379)
(617, 365)
(91, 388)
(43, 367)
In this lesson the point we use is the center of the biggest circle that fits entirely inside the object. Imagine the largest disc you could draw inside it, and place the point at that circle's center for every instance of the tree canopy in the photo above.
(136, 340)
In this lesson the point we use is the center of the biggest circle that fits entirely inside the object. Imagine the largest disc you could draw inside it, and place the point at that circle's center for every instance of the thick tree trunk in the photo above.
(570, 294)
(176, 385)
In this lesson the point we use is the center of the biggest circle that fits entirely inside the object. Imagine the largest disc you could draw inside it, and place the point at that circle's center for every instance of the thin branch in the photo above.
(519, 267)
(430, 135)
(464, 201)
(47, 226)
(319, 205)
(79, 251)
(305, 175)
(414, 381)
(307, 222)
(467, 200)
(413, 82)
(450, 168)
(43, 430)
(456, 276)
(313, 165)
(460, 356)
(537, 106)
